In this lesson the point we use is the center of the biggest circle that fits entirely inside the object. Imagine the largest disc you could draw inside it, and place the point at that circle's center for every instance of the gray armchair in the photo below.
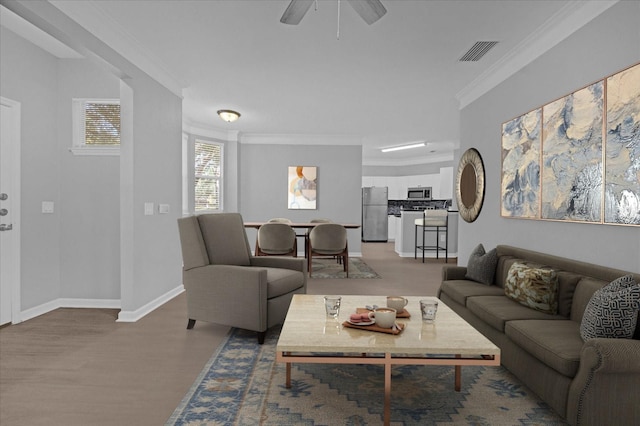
(225, 284)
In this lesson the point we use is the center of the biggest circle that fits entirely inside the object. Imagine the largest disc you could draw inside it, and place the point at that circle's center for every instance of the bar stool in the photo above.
(433, 221)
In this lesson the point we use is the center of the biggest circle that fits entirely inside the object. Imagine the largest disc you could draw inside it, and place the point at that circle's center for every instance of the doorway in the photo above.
(9, 211)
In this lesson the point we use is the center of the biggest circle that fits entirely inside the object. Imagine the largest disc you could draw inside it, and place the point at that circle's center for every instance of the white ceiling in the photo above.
(391, 83)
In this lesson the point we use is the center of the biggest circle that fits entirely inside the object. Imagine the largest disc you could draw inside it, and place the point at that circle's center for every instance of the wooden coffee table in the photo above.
(308, 336)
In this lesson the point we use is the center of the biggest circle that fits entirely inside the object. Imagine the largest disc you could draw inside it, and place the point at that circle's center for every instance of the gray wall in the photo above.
(606, 45)
(89, 193)
(29, 75)
(98, 246)
(263, 183)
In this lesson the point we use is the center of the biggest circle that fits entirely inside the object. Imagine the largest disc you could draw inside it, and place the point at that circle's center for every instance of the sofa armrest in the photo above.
(451, 272)
(604, 390)
(295, 263)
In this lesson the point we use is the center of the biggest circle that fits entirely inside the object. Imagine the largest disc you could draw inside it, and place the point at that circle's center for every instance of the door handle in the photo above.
(5, 227)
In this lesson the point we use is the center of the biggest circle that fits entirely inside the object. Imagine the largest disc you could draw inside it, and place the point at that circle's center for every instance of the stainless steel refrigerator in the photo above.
(374, 214)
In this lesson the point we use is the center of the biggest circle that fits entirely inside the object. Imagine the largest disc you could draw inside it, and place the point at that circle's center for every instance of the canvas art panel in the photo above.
(302, 187)
(572, 175)
(622, 153)
(521, 138)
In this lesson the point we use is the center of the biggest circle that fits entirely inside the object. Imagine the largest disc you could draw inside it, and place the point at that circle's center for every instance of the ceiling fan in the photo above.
(369, 10)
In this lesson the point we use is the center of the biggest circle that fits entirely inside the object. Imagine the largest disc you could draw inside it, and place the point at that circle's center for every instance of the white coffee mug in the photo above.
(396, 302)
(385, 317)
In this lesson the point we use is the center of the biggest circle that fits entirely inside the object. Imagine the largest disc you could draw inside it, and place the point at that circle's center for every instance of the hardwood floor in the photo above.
(80, 367)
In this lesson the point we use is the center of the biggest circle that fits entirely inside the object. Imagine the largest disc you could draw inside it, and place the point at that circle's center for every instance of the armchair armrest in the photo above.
(228, 295)
(604, 390)
(451, 272)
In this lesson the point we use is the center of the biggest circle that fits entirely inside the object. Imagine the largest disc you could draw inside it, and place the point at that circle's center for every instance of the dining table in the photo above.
(301, 225)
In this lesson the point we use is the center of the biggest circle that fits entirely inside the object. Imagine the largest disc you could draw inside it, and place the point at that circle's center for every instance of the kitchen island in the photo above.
(405, 235)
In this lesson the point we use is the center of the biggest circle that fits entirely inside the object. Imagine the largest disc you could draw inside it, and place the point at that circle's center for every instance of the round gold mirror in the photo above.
(470, 185)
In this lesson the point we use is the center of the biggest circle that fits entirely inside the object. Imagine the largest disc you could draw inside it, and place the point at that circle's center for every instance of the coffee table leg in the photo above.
(458, 376)
(288, 370)
(387, 390)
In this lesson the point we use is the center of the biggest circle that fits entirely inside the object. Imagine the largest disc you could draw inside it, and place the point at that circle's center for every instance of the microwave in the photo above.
(420, 193)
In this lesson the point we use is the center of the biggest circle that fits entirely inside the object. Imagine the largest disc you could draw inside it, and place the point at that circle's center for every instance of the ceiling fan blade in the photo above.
(295, 11)
(369, 10)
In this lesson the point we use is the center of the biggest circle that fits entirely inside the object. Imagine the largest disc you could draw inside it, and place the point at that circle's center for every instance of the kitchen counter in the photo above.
(405, 235)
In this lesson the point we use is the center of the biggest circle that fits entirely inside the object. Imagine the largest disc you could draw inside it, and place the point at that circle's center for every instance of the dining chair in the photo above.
(276, 239)
(328, 239)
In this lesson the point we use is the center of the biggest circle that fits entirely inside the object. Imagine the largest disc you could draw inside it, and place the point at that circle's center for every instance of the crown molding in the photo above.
(570, 18)
(89, 15)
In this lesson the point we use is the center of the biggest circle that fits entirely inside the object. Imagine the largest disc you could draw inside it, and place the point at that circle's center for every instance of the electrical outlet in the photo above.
(163, 208)
(47, 207)
(148, 209)
(443, 238)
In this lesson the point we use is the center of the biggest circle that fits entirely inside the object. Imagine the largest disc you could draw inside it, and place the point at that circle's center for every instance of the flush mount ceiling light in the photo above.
(401, 147)
(228, 115)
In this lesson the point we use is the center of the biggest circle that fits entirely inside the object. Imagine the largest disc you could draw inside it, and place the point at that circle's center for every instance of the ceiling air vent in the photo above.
(477, 51)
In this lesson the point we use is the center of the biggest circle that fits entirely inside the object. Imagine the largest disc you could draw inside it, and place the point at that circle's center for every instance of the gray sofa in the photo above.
(593, 382)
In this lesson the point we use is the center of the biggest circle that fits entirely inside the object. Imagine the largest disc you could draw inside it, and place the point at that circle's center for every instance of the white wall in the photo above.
(609, 43)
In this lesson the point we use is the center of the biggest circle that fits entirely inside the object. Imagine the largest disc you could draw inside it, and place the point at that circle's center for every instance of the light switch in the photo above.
(47, 207)
(148, 209)
(163, 208)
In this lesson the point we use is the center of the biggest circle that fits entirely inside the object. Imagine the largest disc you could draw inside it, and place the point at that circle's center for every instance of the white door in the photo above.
(9, 211)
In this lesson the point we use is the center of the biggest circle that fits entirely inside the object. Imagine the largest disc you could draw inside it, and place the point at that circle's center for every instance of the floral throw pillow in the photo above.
(536, 288)
(612, 311)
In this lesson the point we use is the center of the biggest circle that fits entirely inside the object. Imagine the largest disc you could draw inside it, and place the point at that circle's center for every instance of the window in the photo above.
(207, 176)
(96, 126)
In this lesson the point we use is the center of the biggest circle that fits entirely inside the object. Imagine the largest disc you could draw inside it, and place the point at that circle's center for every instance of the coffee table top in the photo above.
(307, 329)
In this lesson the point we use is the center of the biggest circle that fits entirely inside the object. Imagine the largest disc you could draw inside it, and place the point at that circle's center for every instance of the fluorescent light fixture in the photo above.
(401, 147)
(228, 115)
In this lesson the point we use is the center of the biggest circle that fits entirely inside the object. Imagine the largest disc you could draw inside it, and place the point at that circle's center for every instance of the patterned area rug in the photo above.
(330, 268)
(243, 385)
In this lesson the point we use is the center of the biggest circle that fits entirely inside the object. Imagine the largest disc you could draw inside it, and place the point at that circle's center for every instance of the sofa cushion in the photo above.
(536, 288)
(496, 310)
(612, 311)
(282, 281)
(481, 266)
(567, 282)
(584, 290)
(459, 290)
(555, 343)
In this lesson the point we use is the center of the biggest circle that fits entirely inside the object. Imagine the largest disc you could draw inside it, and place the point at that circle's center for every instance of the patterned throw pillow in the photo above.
(481, 266)
(612, 311)
(536, 288)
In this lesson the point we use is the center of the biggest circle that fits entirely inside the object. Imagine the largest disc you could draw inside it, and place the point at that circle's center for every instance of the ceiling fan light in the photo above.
(401, 147)
(228, 115)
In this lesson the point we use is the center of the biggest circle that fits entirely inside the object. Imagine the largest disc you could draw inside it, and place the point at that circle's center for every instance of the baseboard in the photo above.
(428, 255)
(68, 303)
(133, 316)
(123, 316)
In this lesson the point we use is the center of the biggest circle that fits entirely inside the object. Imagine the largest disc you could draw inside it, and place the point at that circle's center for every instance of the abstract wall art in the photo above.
(572, 156)
(302, 187)
(577, 158)
(622, 154)
(521, 165)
